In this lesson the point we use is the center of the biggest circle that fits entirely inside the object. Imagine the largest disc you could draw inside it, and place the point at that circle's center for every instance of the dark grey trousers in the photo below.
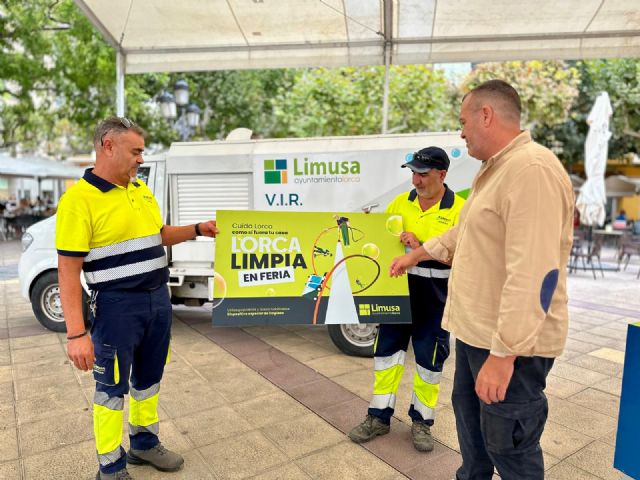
(506, 434)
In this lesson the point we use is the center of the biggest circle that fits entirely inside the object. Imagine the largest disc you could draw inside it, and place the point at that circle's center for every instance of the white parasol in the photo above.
(592, 197)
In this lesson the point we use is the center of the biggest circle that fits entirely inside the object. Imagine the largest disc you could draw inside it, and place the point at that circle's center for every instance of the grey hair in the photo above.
(115, 124)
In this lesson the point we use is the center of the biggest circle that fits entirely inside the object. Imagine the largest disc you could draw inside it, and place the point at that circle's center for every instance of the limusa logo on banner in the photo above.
(308, 171)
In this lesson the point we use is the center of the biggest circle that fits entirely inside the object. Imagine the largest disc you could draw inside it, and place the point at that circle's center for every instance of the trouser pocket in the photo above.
(511, 429)
(105, 368)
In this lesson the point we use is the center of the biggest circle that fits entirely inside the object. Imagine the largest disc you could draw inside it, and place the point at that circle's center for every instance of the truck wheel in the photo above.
(46, 304)
(356, 340)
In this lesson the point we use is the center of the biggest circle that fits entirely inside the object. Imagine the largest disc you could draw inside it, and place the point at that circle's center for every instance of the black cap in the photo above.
(428, 158)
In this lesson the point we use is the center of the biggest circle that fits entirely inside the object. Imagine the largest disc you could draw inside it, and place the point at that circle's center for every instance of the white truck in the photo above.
(193, 180)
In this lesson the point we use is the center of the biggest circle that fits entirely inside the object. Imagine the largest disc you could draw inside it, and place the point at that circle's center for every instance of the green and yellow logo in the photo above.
(275, 171)
(364, 309)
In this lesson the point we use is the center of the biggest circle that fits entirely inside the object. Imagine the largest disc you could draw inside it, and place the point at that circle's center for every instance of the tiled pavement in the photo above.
(275, 402)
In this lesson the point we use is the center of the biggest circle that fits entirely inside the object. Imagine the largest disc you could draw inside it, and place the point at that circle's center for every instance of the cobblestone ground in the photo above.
(275, 403)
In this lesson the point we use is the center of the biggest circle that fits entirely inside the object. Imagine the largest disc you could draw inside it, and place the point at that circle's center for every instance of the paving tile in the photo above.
(566, 471)
(576, 373)
(610, 438)
(597, 364)
(288, 472)
(48, 385)
(616, 356)
(205, 427)
(606, 331)
(268, 409)
(580, 419)
(183, 398)
(320, 394)
(302, 435)
(54, 432)
(262, 331)
(345, 416)
(334, 365)
(311, 351)
(248, 347)
(5, 357)
(444, 428)
(242, 456)
(597, 459)
(6, 375)
(8, 443)
(4, 333)
(579, 346)
(561, 387)
(442, 467)
(16, 331)
(358, 382)
(170, 436)
(561, 441)
(223, 335)
(10, 470)
(44, 367)
(35, 341)
(612, 385)
(346, 461)
(240, 385)
(595, 339)
(34, 354)
(7, 415)
(6, 392)
(285, 341)
(71, 461)
(195, 468)
(291, 374)
(60, 402)
(598, 401)
(264, 359)
(202, 352)
(569, 354)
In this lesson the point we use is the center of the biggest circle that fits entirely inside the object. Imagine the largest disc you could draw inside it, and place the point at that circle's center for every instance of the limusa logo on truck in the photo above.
(275, 170)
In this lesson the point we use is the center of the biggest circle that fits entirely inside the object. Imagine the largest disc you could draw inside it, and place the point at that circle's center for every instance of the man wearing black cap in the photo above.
(428, 210)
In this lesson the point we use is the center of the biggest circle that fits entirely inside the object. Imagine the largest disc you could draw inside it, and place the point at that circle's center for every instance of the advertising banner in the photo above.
(307, 268)
(345, 181)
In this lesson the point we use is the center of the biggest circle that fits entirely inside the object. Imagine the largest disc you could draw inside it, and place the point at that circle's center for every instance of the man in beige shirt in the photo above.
(507, 303)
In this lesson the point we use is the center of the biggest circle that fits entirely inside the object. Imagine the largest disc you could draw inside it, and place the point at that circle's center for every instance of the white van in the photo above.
(194, 180)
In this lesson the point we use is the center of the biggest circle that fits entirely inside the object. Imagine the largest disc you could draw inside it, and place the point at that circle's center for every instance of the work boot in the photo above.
(119, 475)
(421, 435)
(369, 429)
(158, 457)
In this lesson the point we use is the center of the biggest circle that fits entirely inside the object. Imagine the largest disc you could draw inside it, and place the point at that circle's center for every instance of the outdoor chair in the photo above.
(629, 245)
(582, 252)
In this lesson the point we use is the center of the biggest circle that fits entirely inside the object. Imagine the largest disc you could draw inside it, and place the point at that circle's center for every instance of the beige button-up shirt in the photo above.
(507, 288)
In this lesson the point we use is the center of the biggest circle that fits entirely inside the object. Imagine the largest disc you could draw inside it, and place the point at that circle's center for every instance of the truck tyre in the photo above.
(356, 340)
(46, 304)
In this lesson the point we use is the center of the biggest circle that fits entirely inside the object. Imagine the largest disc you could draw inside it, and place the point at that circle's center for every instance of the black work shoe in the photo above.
(369, 429)
(421, 435)
(119, 475)
(158, 457)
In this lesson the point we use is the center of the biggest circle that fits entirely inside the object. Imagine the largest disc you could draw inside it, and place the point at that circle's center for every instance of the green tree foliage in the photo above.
(547, 88)
(348, 101)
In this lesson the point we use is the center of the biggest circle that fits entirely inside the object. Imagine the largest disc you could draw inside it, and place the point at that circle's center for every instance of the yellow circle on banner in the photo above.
(219, 289)
(394, 225)
(371, 250)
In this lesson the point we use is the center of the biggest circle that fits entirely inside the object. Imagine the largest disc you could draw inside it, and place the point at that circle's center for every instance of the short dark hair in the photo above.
(502, 91)
(117, 124)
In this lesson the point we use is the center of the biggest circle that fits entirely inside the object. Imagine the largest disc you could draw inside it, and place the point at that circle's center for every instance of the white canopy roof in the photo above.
(191, 35)
(37, 167)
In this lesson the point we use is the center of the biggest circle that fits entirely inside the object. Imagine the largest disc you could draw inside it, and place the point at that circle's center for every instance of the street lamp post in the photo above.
(170, 105)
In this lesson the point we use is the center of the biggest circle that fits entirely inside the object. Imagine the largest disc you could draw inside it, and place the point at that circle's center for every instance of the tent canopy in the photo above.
(621, 186)
(37, 167)
(192, 35)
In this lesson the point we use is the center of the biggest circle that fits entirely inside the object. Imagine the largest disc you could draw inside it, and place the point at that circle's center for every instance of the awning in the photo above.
(621, 186)
(191, 35)
(37, 167)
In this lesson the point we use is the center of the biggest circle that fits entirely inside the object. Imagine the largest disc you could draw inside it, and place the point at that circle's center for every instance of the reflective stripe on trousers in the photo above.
(107, 427)
(143, 410)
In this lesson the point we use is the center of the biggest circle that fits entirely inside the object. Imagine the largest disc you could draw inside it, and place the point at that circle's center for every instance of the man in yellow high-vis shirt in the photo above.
(109, 226)
(427, 211)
